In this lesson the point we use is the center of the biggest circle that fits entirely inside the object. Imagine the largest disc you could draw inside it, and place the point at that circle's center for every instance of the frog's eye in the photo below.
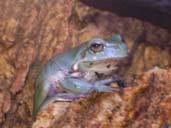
(96, 47)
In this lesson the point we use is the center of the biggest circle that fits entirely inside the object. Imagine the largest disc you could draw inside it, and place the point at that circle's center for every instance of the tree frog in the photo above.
(76, 73)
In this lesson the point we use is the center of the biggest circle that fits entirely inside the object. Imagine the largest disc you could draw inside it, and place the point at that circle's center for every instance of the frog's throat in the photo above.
(76, 65)
(118, 60)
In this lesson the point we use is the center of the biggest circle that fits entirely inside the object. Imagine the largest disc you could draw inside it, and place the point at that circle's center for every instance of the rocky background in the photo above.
(33, 31)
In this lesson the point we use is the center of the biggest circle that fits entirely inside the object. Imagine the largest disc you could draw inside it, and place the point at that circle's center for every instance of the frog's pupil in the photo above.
(96, 45)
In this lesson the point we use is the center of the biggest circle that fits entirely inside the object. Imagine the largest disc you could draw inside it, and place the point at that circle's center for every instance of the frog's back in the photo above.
(58, 65)
(53, 71)
(52, 68)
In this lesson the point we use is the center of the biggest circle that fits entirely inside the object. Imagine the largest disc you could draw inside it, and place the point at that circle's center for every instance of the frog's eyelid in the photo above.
(110, 44)
(116, 37)
(97, 40)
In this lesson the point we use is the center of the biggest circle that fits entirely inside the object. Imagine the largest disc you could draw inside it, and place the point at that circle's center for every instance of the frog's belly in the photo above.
(54, 82)
(85, 75)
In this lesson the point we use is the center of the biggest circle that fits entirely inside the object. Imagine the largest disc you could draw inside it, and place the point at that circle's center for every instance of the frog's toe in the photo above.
(121, 83)
(116, 77)
(103, 88)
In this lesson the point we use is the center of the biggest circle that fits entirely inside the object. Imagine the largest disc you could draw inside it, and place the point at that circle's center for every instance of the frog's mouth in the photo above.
(103, 66)
(112, 60)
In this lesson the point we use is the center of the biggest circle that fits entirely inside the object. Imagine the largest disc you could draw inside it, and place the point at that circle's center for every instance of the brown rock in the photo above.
(31, 32)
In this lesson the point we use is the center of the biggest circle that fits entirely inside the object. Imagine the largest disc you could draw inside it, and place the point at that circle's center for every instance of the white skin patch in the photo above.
(94, 58)
(75, 67)
(76, 74)
(60, 75)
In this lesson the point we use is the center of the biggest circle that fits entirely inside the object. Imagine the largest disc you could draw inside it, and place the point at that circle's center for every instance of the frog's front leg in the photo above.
(80, 86)
(77, 88)
(74, 88)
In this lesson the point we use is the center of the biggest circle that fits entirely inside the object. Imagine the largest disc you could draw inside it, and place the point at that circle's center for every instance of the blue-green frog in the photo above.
(76, 73)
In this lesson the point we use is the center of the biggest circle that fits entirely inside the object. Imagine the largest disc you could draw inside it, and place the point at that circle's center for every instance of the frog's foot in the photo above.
(119, 81)
(101, 86)
(64, 97)
(67, 97)
(104, 88)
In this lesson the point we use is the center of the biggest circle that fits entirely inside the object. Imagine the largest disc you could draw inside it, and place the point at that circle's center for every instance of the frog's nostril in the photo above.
(116, 46)
(122, 39)
(91, 64)
(108, 66)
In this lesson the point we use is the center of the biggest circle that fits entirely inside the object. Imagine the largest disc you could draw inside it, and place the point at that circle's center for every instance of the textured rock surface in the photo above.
(31, 32)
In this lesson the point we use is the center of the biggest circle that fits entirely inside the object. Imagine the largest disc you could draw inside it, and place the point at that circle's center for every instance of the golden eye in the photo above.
(96, 47)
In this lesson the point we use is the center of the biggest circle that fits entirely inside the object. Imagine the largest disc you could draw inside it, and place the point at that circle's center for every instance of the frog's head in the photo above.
(103, 55)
